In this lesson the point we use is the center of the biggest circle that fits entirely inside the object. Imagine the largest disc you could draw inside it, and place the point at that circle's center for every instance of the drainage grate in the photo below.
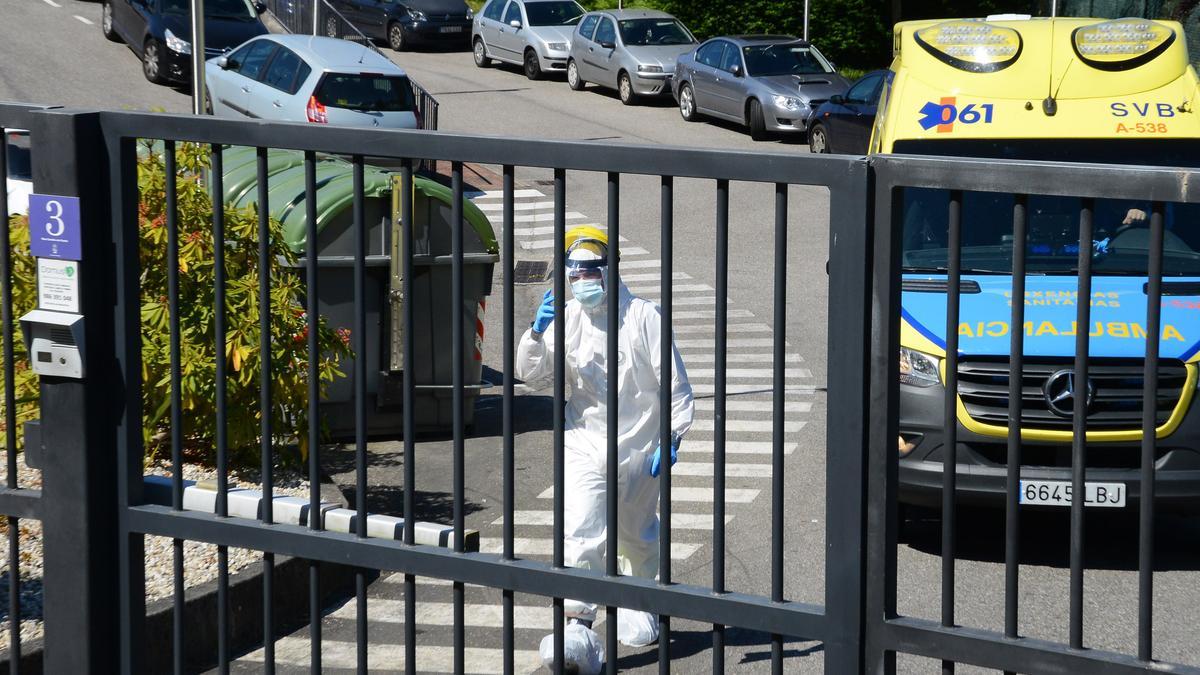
(530, 271)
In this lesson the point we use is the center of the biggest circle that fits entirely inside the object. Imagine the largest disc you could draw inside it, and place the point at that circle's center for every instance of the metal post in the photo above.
(82, 419)
(316, 17)
(806, 20)
(197, 57)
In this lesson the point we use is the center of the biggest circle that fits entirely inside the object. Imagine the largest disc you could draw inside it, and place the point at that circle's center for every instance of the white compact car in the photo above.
(300, 78)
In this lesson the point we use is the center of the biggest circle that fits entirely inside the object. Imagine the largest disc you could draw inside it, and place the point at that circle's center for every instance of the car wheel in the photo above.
(106, 22)
(625, 89)
(480, 51)
(754, 118)
(818, 139)
(332, 28)
(687, 103)
(396, 39)
(152, 66)
(574, 81)
(533, 67)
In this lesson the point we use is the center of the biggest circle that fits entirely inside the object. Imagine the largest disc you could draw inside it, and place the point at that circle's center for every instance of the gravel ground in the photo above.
(200, 560)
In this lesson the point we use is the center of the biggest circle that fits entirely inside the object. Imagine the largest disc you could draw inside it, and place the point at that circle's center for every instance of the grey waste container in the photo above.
(433, 359)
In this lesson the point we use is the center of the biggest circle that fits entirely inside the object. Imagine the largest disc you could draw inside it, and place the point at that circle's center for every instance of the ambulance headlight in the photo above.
(917, 369)
(973, 46)
(1121, 44)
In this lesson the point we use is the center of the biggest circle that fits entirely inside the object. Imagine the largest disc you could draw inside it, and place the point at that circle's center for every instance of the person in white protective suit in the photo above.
(585, 438)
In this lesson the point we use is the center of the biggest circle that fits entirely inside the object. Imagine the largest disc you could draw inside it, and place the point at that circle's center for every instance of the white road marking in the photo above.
(517, 206)
(742, 373)
(545, 546)
(743, 342)
(741, 358)
(708, 404)
(679, 494)
(52, 3)
(690, 446)
(731, 471)
(634, 278)
(545, 217)
(639, 264)
(679, 521)
(709, 314)
(645, 291)
(499, 194)
(751, 426)
(442, 614)
(294, 650)
(84, 20)
(706, 388)
(634, 250)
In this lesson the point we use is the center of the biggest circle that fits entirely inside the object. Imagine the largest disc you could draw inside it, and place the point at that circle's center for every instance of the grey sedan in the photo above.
(535, 34)
(770, 83)
(631, 50)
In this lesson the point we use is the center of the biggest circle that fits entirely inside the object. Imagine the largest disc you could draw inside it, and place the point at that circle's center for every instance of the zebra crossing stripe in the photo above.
(708, 389)
(526, 546)
(517, 206)
(648, 292)
(499, 194)
(690, 446)
(710, 328)
(741, 358)
(711, 314)
(294, 651)
(765, 374)
(752, 426)
(731, 471)
(731, 344)
(386, 610)
(679, 521)
(634, 278)
(545, 217)
(708, 404)
(678, 494)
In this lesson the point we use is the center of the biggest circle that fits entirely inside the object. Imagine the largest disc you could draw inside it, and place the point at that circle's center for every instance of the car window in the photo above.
(644, 32)
(235, 10)
(494, 10)
(366, 91)
(588, 26)
(282, 72)
(559, 13)
(784, 59)
(513, 13)
(710, 54)
(606, 32)
(864, 90)
(730, 59)
(249, 60)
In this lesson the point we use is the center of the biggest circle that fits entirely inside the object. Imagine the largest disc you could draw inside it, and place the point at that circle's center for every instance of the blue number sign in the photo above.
(54, 230)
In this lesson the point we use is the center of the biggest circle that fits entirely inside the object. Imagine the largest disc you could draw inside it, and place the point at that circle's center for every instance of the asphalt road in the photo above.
(51, 55)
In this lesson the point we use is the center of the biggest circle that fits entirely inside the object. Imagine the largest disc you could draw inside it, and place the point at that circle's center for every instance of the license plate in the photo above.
(1058, 493)
(451, 29)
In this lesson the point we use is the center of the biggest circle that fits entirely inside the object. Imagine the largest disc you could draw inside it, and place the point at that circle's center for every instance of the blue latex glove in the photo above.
(545, 313)
(656, 465)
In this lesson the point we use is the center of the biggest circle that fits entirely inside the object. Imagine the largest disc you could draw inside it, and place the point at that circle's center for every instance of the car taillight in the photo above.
(316, 111)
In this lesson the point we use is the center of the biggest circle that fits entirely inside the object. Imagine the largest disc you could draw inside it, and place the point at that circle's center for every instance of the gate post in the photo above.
(79, 417)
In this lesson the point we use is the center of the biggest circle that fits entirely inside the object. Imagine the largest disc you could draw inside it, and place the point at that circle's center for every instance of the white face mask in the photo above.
(589, 292)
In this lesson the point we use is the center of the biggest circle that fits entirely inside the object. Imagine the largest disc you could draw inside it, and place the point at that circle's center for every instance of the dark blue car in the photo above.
(843, 123)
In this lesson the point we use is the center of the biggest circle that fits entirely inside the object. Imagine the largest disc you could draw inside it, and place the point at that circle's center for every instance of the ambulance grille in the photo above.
(1116, 403)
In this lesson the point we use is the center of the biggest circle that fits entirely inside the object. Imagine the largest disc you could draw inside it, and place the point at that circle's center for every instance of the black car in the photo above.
(402, 23)
(843, 123)
(160, 32)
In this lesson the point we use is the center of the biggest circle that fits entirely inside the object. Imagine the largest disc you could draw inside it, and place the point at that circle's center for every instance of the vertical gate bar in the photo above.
(950, 419)
(312, 316)
(719, 366)
(172, 224)
(10, 425)
(1016, 369)
(777, 387)
(264, 399)
(218, 192)
(458, 303)
(560, 372)
(1079, 424)
(1149, 439)
(410, 424)
(360, 404)
(510, 469)
(614, 325)
(667, 359)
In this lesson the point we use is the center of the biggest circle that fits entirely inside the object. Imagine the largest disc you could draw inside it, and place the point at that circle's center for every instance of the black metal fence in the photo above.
(97, 423)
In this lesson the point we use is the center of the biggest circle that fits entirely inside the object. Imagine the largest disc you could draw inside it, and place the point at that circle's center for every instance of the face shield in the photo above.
(587, 271)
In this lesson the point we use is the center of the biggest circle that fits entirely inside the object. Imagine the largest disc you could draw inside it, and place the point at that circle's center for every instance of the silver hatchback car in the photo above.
(534, 34)
(770, 83)
(630, 50)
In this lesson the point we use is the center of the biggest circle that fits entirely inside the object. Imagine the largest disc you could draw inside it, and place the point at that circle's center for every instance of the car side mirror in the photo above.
(260, 7)
(223, 62)
(737, 71)
(515, 23)
(837, 99)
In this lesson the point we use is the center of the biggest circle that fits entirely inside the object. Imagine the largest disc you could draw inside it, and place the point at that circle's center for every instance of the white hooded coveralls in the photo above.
(586, 428)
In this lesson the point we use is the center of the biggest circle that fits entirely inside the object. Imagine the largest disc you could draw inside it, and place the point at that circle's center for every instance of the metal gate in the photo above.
(97, 518)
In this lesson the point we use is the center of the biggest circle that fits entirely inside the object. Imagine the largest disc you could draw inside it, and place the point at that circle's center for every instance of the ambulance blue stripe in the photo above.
(929, 335)
(1191, 351)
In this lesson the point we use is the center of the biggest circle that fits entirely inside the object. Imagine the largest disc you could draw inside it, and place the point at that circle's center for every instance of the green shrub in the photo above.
(289, 334)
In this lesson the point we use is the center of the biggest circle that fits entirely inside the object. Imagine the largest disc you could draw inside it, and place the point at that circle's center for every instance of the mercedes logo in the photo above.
(1060, 391)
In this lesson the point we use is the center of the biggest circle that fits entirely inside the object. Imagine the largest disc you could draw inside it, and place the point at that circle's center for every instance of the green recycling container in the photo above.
(433, 305)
